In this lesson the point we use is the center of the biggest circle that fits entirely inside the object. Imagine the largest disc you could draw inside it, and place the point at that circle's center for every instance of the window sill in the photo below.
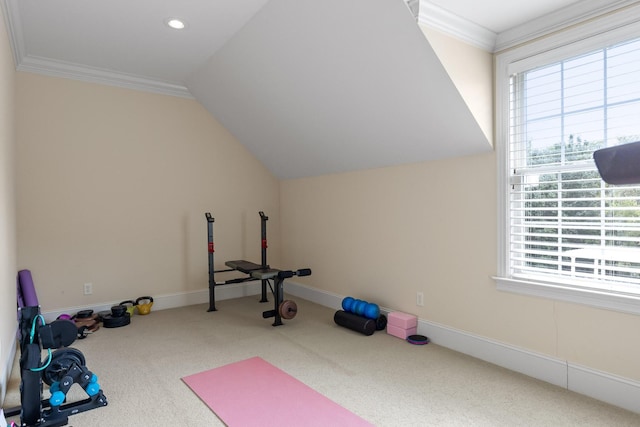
(609, 300)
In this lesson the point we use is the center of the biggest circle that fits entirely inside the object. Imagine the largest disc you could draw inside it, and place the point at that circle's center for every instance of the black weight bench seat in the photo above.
(244, 266)
(256, 271)
(264, 273)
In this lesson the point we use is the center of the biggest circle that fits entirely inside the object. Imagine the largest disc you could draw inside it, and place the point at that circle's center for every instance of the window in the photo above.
(564, 232)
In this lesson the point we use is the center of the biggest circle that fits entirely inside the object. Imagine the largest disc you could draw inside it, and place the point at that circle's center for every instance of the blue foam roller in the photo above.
(371, 311)
(347, 303)
(360, 307)
(354, 304)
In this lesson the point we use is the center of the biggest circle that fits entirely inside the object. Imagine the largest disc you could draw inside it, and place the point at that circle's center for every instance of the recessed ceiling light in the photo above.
(175, 23)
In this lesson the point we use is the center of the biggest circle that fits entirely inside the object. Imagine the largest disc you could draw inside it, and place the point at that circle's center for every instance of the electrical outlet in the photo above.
(88, 288)
(420, 299)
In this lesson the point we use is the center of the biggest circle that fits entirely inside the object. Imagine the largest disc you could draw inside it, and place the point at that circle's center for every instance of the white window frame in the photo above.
(613, 28)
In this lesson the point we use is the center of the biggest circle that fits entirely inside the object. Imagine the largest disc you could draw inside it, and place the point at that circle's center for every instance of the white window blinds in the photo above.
(565, 223)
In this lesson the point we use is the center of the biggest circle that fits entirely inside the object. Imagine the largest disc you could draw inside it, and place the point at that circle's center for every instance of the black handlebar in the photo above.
(286, 274)
(303, 272)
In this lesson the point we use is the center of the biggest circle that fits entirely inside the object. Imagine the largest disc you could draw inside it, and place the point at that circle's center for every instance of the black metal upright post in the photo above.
(278, 296)
(263, 230)
(30, 377)
(212, 280)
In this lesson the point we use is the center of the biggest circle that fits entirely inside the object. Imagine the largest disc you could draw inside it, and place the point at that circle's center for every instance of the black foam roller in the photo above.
(381, 322)
(355, 322)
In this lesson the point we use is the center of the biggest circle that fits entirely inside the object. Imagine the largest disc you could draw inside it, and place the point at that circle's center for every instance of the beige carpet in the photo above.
(381, 378)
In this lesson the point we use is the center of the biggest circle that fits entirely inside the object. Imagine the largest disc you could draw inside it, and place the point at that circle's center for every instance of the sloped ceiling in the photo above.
(316, 87)
(311, 87)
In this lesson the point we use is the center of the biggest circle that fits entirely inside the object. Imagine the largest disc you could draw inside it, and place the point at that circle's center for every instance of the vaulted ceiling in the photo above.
(311, 87)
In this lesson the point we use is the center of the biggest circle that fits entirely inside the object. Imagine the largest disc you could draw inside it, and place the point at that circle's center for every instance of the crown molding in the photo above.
(561, 19)
(449, 23)
(429, 14)
(414, 6)
(438, 18)
(14, 29)
(68, 70)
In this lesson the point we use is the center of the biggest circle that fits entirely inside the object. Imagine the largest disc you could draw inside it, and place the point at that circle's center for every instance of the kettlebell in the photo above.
(144, 305)
(131, 305)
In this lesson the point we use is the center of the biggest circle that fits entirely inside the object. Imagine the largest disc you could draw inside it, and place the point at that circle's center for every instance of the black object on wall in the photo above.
(619, 165)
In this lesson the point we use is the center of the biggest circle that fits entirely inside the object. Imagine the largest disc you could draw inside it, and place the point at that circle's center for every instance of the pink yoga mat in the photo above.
(253, 392)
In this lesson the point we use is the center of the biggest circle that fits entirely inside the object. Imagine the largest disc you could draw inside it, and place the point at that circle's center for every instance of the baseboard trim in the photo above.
(7, 371)
(174, 300)
(615, 390)
(605, 387)
(532, 364)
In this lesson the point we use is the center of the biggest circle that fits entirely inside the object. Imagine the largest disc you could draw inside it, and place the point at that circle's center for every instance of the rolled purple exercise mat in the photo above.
(27, 296)
(19, 293)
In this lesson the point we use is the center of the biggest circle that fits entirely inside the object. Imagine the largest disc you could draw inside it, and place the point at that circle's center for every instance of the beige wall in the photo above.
(383, 235)
(112, 189)
(7, 210)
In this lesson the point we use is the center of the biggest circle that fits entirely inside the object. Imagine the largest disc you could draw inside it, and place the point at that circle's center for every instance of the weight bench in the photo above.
(283, 309)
